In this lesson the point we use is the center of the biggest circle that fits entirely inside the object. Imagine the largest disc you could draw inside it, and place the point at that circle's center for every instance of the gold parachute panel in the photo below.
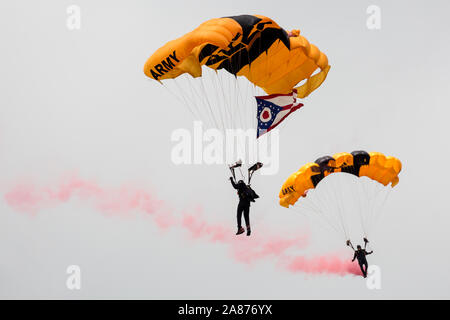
(381, 168)
(284, 62)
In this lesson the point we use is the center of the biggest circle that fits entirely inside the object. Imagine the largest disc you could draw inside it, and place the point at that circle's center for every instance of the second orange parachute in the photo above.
(343, 189)
(374, 165)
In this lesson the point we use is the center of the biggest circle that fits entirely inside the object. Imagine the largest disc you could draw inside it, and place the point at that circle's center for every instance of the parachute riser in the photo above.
(232, 173)
(252, 170)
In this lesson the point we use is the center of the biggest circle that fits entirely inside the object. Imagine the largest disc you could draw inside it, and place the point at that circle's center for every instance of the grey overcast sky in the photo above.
(77, 101)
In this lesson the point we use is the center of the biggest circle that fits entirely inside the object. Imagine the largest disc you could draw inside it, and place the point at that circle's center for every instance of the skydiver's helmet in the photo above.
(241, 182)
(358, 247)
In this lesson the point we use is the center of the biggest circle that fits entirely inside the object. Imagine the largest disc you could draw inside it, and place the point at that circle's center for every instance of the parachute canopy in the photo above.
(374, 165)
(252, 46)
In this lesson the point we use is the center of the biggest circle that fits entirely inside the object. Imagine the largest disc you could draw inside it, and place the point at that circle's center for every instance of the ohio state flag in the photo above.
(274, 108)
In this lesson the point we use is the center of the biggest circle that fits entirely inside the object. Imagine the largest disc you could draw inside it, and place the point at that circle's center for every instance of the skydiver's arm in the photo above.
(369, 252)
(232, 183)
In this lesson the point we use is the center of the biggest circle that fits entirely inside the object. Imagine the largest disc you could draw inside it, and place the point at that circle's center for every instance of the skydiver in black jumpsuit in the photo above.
(360, 254)
(244, 205)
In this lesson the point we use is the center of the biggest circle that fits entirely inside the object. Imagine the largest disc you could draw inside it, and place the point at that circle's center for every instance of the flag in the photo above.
(273, 109)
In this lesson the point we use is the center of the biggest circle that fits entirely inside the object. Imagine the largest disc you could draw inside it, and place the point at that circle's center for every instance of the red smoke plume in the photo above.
(27, 197)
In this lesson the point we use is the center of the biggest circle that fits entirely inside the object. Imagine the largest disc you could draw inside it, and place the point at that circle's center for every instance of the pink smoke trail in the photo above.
(126, 200)
(322, 264)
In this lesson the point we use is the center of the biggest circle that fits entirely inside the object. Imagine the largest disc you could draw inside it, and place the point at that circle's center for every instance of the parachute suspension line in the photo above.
(226, 102)
(251, 112)
(267, 60)
(237, 106)
(215, 102)
(181, 100)
(335, 199)
(230, 105)
(242, 105)
(226, 115)
(186, 97)
(304, 209)
(198, 102)
(224, 84)
(190, 101)
(372, 196)
(235, 111)
(234, 102)
(366, 211)
(250, 98)
(242, 174)
(254, 116)
(343, 207)
(309, 209)
(366, 194)
(360, 207)
(326, 204)
(373, 200)
(255, 106)
(339, 206)
(331, 209)
(197, 95)
(241, 143)
(205, 93)
(376, 196)
(312, 205)
(330, 204)
(233, 107)
(377, 217)
(225, 89)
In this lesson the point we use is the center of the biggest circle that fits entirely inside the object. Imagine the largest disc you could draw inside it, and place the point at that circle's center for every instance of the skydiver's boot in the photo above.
(248, 231)
(240, 231)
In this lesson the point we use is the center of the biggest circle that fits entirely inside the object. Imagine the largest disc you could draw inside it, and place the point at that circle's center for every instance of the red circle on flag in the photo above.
(266, 115)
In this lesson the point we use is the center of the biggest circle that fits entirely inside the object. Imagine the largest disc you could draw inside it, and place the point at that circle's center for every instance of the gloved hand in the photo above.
(348, 242)
(231, 178)
(365, 240)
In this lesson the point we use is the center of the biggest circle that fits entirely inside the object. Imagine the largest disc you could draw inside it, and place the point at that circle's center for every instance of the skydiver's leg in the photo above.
(240, 209)
(363, 266)
(247, 218)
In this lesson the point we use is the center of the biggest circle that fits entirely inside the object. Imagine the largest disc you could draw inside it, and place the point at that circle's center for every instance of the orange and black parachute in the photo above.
(252, 46)
(374, 165)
